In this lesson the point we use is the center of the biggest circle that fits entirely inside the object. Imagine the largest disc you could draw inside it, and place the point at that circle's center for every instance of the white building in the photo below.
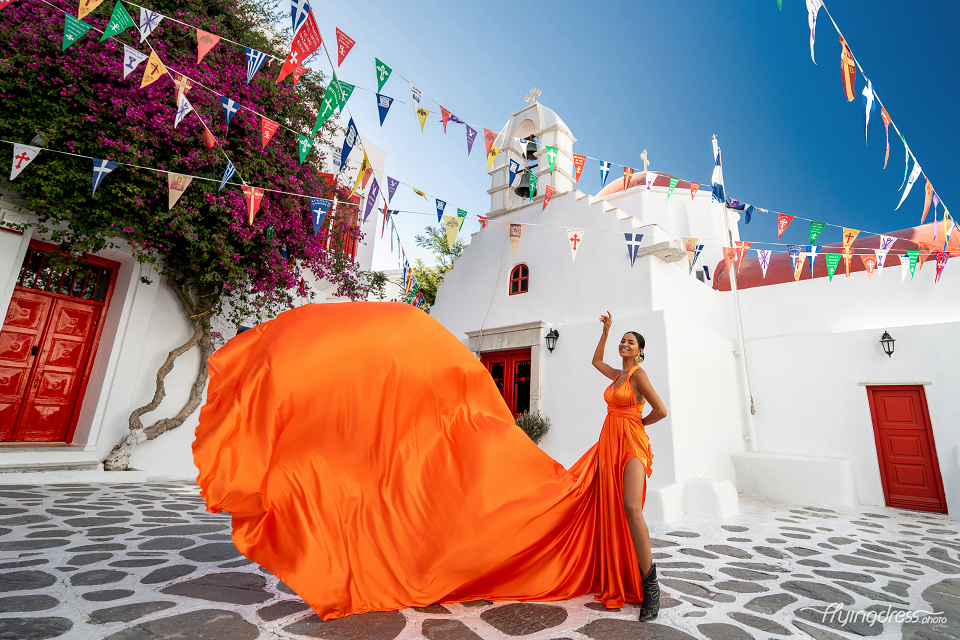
(824, 391)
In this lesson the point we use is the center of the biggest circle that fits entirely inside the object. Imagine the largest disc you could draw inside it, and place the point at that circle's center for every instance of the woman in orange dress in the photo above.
(623, 432)
(368, 460)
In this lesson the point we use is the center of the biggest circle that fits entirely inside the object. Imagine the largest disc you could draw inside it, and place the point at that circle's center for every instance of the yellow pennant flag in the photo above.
(515, 230)
(422, 114)
(178, 184)
(86, 6)
(492, 156)
(420, 193)
(799, 270)
(849, 235)
(363, 170)
(154, 70)
(452, 223)
(946, 216)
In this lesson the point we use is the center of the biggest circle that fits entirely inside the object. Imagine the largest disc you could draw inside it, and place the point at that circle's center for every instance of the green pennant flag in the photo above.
(533, 186)
(780, 4)
(673, 185)
(73, 30)
(552, 158)
(329, 104)
(833, 259)
(120, 21)
(346, 90)
(914, 257)
(462, 215)
(906, 160)
(815, 229)
(383, 74)
(304, 146)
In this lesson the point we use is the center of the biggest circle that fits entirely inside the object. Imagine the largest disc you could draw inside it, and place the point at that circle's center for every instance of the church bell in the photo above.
(530, 150)
(523, 184)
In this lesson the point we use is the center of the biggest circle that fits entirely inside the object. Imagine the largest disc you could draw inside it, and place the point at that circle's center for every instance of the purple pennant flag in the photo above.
(454, 118)
(471, 136)
(371, 198)
(391, 187)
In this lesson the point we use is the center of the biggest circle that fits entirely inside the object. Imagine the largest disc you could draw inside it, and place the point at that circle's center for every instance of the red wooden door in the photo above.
(511, 372)
(909, 469)
(19, 346)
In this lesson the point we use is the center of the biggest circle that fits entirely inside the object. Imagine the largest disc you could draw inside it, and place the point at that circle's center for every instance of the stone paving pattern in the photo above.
(147, 562)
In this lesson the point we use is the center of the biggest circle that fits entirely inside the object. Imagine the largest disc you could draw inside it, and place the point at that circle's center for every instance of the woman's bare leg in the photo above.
(634, 477)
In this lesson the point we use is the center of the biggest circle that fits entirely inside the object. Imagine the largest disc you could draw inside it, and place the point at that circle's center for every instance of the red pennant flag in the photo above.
(742, 248)
(926, 201)
(344, 44)
(483, 221)
(488, 138)
(253, 197)
(578, 162)
(886, 125)
(941, 263)
(546, 198)
(782, 223)
(869, 263)
(267, 129)
(299, 71)
(306, 42)
(208, 139)
(694, 187)
(627, 174)
(181, 84)
(4, 3)
(205, 42)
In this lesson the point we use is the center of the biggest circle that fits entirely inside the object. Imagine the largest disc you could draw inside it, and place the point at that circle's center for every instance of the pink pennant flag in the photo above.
(445, 114)
(344, 44)
(305, 42)
(546, 198)
(205, 42)
(267, 129)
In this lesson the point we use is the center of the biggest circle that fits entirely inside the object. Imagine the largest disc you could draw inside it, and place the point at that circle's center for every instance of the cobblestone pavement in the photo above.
(147, 562)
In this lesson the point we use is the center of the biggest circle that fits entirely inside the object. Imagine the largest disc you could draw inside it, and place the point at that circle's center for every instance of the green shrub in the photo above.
(534, 425)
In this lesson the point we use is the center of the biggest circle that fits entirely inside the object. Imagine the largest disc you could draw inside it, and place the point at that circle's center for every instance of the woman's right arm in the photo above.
(598, 362)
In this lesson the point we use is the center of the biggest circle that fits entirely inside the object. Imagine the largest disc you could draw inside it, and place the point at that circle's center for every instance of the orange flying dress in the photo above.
(368, 460)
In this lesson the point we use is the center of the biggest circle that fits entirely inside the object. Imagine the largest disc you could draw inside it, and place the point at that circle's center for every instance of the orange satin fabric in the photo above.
(368, 461)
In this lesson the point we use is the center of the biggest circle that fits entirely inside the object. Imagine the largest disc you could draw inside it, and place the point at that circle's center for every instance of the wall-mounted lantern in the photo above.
(887, 343)
(551, 338)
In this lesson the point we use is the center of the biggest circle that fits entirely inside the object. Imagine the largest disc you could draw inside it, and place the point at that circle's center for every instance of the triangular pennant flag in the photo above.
(148, 21)
(812, 252)
(267, 129)
(444, 115)
(452, 225)
(100, 169)
(783, 221)
(627, 174)
(515, 230)
(253, 197)
(914, 174)
(391, 188)
(177, 184)
(849, 235)
(329, 104)
(471, 136)
(552, 158)
(694, 187)
(415, 95)
(927, 199)
(546, 198)
(794, 251)
(912, 258)
(716, 179)
(183, 108)
(847, 253)
(651, 178)
(299, 71)
(422, 116)
(154, 70)
(304, 145)
(304, 43)
(633, 245)
(441, 205)
(869, 263)
(491, 156)
(383, 73)
(742, 248)
(514, 168)
(763, 255)
(690, 246)
(299, 10)
(383, 104)
(904, 268)
(886, 125)
(255, 60)
(229, 109)
(868, 106)
(575, 237)
(673, 185)
(23, 154)
(881, 256)
(604, 172)
(906, 160)
(489, 137)
(848, 69)
(421, 193)
(348, 142)
(205, 42)
(578, 162)
(483, 221)
(181, 85)
(227, 174)
(696, 255)
(361, 174)
(344, 44)
(372, 194)
(923, 254)
(886, 243)
(798, 271)
(533, 185)
(86, 6)
(833, 259)
(813, 6)
(815, 229)
(119, 22)
(131, 59)
(73, 30)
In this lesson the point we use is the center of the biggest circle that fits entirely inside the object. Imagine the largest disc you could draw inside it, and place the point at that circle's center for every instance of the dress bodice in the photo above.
(620, 392)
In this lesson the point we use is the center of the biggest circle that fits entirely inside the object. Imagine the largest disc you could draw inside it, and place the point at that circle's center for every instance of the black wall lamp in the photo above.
(551, 338)
(887, 343)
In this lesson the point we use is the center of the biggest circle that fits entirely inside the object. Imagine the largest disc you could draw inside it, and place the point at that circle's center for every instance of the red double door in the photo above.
(510, 371)
(909, 469)
(47, 344)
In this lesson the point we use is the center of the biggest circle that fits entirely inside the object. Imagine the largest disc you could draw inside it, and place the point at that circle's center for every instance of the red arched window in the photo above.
(518, 279)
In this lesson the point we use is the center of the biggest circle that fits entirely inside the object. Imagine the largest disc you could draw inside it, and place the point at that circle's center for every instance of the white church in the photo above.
(781, 389)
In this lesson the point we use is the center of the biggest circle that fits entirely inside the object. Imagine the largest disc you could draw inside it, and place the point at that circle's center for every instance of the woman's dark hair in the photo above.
(640, 342)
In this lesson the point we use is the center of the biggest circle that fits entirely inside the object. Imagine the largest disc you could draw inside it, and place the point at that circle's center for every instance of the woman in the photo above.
(368, 460)
(624, 430)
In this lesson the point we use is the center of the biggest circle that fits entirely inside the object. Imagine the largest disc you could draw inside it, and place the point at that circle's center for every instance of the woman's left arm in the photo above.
(658, 411)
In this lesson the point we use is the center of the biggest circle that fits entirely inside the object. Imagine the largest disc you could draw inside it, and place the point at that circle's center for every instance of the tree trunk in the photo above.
(119, 458)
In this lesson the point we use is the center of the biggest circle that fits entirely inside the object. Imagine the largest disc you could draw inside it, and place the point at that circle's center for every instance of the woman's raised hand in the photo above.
(607, 320)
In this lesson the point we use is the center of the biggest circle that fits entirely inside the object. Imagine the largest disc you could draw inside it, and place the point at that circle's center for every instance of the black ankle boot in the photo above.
(650, 606)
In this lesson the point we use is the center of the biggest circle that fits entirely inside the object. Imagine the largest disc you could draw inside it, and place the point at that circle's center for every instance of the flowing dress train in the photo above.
(368, 460)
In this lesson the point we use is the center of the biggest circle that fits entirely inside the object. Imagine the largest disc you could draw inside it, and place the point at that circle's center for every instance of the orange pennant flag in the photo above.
(849, 235)
(886, 125)
(925, 250)
(205, 42)
(799, 270)
(847, 253)
(86, 6)
(253, 196)
(870, 263)
(742, 248)
(627, 174)
(848, 69)
(927, 198)
(154, 70)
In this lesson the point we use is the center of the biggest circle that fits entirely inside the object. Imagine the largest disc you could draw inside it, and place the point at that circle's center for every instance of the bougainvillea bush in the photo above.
(219, 265)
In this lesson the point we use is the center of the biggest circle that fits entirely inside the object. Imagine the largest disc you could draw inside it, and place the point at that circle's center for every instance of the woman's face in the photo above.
(628, 346)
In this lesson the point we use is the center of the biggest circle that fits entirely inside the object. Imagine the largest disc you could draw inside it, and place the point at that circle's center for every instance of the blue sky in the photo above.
(666, 76)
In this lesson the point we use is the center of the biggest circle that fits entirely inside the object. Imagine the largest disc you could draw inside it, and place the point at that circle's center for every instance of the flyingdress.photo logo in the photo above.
(836, 614)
